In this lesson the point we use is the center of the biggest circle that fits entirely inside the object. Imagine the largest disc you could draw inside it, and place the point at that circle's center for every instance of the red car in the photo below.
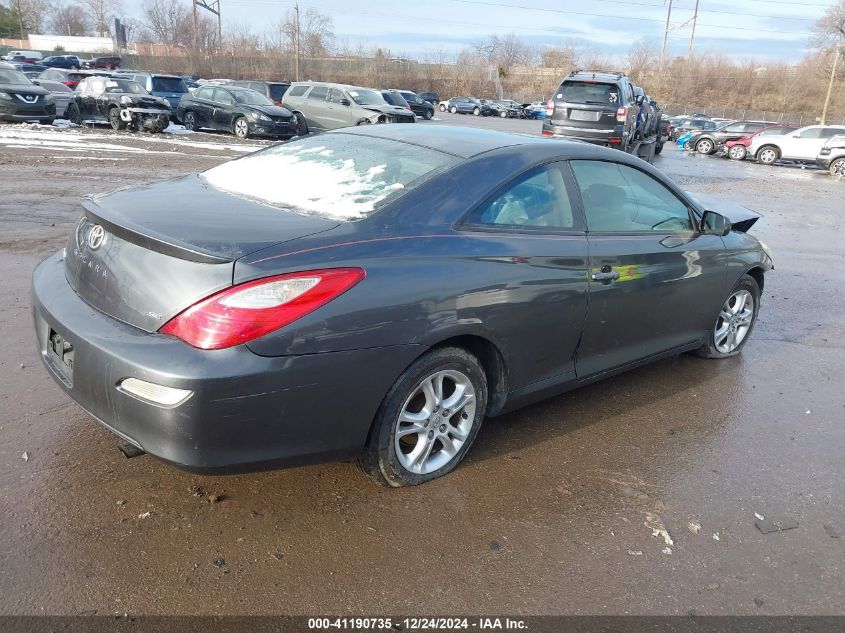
(738, 149)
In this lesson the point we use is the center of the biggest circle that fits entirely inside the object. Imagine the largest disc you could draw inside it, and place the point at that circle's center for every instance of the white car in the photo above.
(832, 156)
(804, 144)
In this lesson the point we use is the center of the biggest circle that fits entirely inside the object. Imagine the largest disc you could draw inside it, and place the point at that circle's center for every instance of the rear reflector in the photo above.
(247, 311)
(547, 133)
(156, 394)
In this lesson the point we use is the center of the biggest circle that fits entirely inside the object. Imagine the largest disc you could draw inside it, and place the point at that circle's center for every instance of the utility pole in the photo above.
(836, 56)
(296, 42)
(665, 37)
(692, 37)
(196, 28)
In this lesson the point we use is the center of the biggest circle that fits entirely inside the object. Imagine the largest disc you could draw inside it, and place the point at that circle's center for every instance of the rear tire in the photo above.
(453, 110)
(442, 107)
(658, 149)
(428, 114)
(189, 121)
(73, 113)
(428, 420)
(301, 124)
(768, 155)
(704, 146)
(476, 111)
(732, 322)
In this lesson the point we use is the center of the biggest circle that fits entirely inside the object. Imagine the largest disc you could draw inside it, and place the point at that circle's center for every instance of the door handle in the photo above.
(606, 276)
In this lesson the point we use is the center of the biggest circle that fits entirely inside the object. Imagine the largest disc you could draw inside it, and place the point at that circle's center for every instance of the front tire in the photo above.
(301, 124)
(476, 111)
(738, 152)
(241, 127)
(453, 110)
(768, 155)
(115, 121)
(837, 167)
(428, 420)
(428, 114)
(443, 107)
(734, 322)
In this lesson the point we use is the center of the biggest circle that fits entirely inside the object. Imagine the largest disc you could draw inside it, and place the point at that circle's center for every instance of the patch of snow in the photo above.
(175, 128)
(657, 527)
(694, 527)
(313, 179)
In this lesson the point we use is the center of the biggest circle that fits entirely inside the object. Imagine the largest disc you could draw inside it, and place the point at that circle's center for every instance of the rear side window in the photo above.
(205, 93)
(277, 91)
(338, 176)
(319, 92)
(831, 132)
(536, 200)
(297, 91)
(619, 198)
(168, 84)
(589, 92)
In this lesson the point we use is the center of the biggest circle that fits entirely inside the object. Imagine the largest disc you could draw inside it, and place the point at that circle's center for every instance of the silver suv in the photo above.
(325, 106)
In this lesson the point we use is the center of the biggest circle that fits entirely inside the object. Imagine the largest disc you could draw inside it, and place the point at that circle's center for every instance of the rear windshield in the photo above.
(277, 91)
(338, 176)
(589, 92)
(169, 84)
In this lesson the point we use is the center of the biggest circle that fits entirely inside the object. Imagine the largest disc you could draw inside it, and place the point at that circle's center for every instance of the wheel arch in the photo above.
(774, 146)
(758, 274)
(492, 360)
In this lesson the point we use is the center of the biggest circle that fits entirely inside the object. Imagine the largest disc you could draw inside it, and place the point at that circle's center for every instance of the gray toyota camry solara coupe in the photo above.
(374, 293)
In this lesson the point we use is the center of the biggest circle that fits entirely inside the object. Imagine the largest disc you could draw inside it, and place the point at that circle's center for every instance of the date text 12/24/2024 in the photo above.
(416, 624)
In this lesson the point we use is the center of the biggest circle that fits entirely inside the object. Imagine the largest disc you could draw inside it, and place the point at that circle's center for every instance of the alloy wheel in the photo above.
(190, 121)
(734, 321)
(768, 156)
(705, 147)
(838, 168)
(241, 128)
(435, 421)
(737, 152)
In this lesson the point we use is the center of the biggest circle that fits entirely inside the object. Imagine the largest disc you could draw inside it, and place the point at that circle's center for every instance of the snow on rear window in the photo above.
(338, 176)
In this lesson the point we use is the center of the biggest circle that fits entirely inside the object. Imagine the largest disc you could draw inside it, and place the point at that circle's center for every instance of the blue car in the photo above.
(468, 105)
(682, 140)
(169, 87)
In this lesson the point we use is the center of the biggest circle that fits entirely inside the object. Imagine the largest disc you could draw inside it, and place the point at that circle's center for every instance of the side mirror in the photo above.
(35, 81)
(345, 102)
(713, 223)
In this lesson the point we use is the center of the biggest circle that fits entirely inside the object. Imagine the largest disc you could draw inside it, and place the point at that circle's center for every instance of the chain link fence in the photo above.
(748, 114)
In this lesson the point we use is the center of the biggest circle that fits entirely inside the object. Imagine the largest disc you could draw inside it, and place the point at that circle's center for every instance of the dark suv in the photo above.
(593, 106)
(273, 90)
(708, 141)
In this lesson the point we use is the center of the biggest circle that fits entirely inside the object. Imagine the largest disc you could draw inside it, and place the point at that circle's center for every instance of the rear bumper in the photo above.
(609, 137)
(246, 412)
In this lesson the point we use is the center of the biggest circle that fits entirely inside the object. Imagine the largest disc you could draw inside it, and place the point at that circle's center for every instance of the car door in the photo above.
(337, 109)
(223, 110)
(802, 144)
(202, 104)
(655, 282)
(532, 230)
(316, 108)
(733, 131)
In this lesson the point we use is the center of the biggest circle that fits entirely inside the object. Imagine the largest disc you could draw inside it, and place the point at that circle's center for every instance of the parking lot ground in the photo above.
(565, 507)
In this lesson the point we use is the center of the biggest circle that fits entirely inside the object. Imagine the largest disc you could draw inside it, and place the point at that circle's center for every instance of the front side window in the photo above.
(619, 198)
(251, 97)
(535, 200)
(221, 96)
(814, 132)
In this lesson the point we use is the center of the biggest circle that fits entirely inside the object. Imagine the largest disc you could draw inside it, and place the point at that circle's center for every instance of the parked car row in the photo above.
(768, 143)
(71, 62)
(505, 108)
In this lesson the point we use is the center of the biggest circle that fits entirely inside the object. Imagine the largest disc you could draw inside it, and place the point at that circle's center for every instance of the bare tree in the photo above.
(70, 19)
(101, 13)
(316, 32)
(830, 28)
(168, 22)
(32, 14)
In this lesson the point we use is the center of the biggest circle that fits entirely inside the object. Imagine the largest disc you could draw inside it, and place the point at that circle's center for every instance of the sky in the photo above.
(762, 29)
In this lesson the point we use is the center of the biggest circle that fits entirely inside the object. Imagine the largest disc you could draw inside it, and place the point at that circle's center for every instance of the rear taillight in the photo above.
(622, 114)
(550, 107)
(245, 312)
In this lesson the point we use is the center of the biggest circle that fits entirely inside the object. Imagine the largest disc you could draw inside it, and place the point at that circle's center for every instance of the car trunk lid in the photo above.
(142, 259)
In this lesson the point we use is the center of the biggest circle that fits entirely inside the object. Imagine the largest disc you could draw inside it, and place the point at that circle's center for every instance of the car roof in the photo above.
(598, 75)
(466, 142)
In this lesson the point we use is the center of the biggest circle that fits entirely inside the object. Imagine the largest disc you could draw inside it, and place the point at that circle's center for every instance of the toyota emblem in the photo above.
(96, 237)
